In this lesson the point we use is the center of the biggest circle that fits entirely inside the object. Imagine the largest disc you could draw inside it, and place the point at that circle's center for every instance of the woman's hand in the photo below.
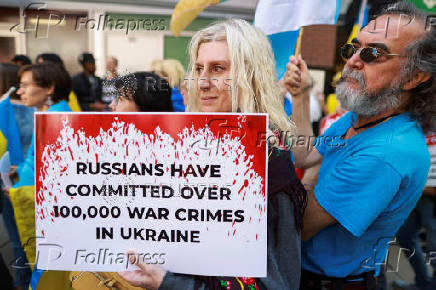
(297, 79)
(148, 276)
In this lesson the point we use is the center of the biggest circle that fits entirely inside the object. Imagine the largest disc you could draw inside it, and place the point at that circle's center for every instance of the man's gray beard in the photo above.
(361, 101)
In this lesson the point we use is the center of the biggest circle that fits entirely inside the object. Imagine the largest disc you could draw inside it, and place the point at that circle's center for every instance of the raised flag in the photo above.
(10, 132)
(281, 21)
(186, 11)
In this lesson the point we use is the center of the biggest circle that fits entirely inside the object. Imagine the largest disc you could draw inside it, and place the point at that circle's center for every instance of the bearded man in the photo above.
(374, 172)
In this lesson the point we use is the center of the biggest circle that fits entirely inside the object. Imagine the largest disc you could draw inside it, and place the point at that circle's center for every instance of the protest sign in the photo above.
(186, 191)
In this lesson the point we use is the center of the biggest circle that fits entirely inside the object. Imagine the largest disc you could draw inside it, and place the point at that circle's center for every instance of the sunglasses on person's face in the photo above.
(367, 54)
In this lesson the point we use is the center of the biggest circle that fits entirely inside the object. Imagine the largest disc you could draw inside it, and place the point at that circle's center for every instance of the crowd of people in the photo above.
(365, 179)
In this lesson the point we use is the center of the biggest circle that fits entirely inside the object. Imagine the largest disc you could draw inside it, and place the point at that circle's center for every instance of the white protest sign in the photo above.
(185, 191)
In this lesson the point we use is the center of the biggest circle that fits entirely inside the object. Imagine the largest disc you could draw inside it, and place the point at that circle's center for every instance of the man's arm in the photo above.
(353, 193)
(315, 218)
(310, 177)
(297, 81)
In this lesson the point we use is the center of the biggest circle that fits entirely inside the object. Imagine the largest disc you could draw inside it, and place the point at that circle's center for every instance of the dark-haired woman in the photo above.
(45, 86)
(56, 59)
(137, 92)
(142, 92)
(53, 57)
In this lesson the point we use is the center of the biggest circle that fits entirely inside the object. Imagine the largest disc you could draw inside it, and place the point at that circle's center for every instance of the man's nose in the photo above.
(355, 62)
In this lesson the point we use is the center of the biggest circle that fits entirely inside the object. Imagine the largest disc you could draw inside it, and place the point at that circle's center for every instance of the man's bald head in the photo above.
(420, 64)
(407, 31)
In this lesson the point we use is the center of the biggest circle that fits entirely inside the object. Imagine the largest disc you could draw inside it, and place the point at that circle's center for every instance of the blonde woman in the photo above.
(171, 70)
(156, 67)
(234, 68)
(174, 71)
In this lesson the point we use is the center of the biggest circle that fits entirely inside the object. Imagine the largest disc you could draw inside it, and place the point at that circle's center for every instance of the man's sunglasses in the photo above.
(367, 54)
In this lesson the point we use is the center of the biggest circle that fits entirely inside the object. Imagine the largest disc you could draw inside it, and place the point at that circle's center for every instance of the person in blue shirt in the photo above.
(374, 160)
(46, 87)
(16, 125)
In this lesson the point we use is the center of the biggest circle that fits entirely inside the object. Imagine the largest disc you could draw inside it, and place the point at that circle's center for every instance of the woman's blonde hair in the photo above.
(156, 66)
(254, 85)
(174, 71)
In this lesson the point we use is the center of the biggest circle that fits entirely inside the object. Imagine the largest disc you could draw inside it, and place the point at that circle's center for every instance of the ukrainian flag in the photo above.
(22, 196)
(361, 20)
(3, 144)
(186, 11)
(10, 133)
(73, 102)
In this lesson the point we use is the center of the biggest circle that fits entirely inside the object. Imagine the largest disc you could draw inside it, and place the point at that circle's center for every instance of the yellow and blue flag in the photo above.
(186, 11)
(22, 196)
(361, 20)
(10, 132)
(73, 102)
(3, 144)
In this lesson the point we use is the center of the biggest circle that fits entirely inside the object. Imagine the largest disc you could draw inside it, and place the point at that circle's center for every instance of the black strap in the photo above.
(370, 124)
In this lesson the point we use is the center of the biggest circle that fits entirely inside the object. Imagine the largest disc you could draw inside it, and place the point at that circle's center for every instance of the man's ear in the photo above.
(419, 78)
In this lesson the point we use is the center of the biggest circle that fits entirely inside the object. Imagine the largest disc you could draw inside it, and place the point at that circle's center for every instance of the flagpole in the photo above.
(298, 45)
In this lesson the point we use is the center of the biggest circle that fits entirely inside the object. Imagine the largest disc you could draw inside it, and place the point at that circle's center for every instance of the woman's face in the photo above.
(123, 104)
(213, 69)
(31, 94)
